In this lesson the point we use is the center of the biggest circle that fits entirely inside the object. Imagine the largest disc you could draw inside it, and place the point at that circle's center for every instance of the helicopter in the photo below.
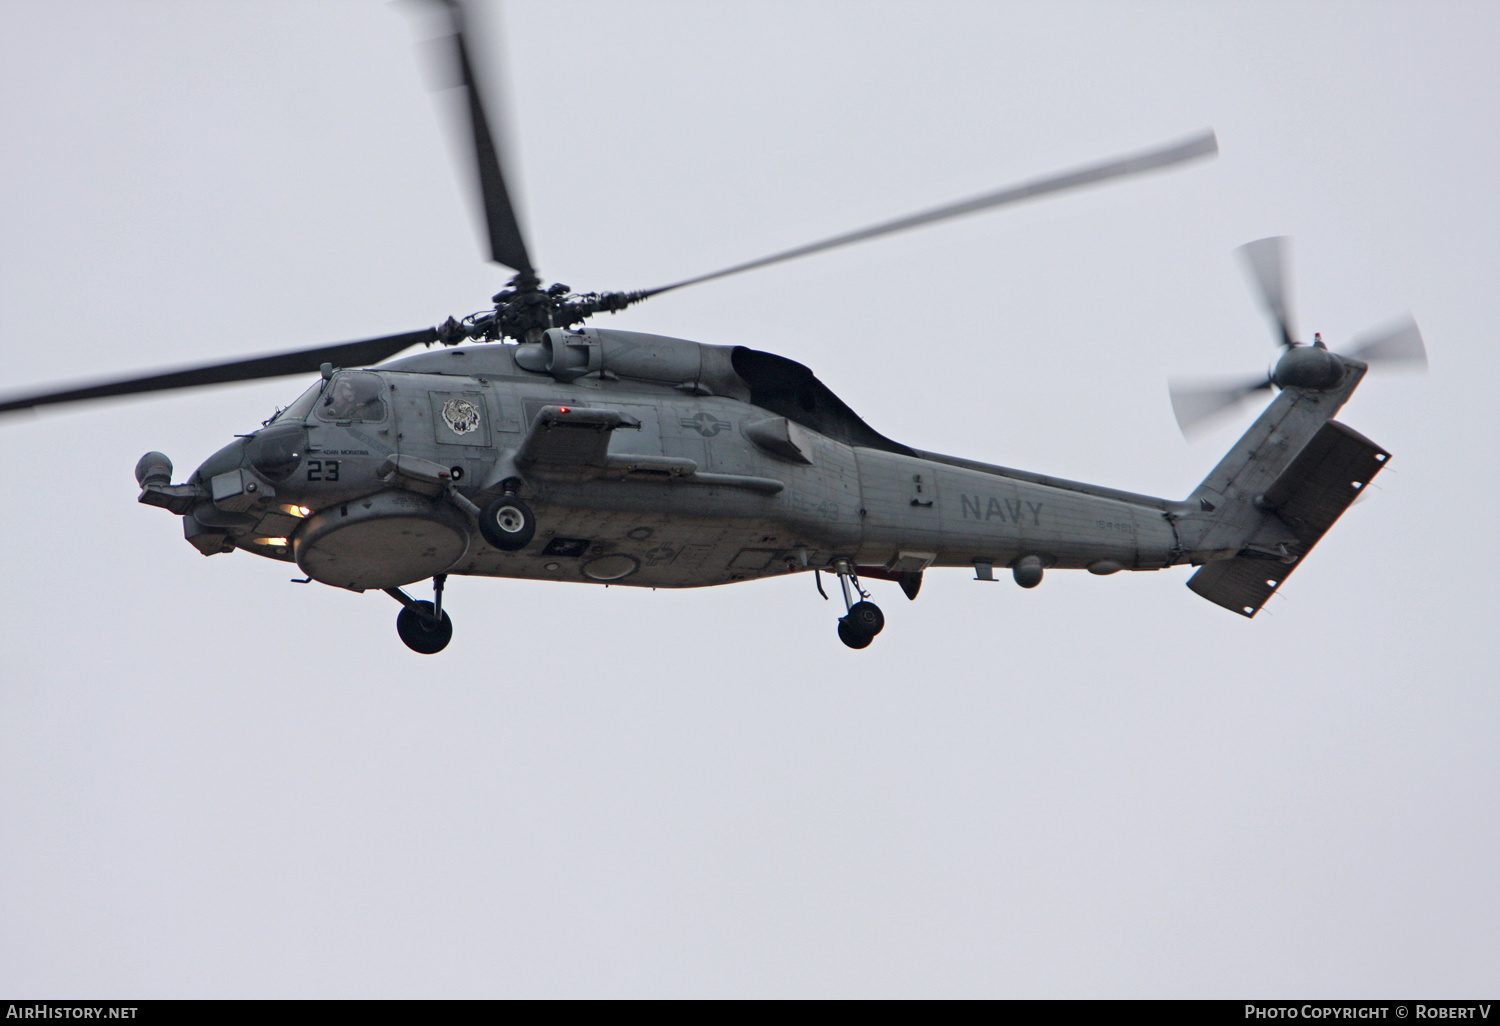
(530, 445)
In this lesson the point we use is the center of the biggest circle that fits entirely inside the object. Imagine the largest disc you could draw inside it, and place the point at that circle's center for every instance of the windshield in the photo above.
(301, 408)
(353, 395)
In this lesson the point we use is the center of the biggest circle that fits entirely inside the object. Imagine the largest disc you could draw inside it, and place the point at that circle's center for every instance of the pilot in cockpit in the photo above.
(354, 397)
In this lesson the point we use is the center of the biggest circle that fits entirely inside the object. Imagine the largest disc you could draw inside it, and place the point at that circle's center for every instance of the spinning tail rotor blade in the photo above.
(1266, 259)
(1194, 403)
(302, 361)
(1268, 263)
(1204, 145)
(1400, 342)
(507, 242)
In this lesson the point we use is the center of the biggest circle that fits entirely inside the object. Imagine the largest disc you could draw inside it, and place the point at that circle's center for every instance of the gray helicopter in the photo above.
(554, 451)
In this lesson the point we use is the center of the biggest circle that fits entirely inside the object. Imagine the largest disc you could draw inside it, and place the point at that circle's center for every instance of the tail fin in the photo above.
(1275, 494)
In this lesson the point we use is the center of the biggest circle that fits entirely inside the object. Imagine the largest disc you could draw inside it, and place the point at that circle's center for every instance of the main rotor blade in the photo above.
(507, 243)
(1195, 402)
(1268, 262)
(302, 361)
(1400, 342)
(1191, 149)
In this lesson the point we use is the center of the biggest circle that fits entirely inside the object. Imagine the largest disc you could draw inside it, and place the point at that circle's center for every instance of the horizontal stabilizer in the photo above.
(1242, 584)
(1308, 497)
(1323, 481)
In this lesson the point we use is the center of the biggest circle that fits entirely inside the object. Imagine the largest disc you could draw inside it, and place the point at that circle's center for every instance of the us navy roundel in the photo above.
(461, 416)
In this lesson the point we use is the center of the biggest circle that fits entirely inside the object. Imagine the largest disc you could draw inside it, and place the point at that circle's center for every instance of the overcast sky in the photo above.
(217, 783)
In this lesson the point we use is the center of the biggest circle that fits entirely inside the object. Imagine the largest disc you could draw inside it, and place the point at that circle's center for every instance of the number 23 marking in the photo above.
(322, 470)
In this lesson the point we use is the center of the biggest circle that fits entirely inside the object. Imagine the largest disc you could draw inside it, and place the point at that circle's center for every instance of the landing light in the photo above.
(271, 541)
(298, 511)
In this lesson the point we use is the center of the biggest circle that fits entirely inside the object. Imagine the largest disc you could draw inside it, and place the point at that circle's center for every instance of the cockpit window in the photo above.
(352, 395)
(302, 407)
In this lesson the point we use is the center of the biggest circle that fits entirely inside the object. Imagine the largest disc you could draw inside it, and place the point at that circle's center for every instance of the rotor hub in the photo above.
(1311, 366)
(524, 311)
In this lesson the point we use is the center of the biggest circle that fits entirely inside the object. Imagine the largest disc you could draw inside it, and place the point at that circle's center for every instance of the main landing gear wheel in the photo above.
(421, 631)
(864, 620)
(858, 629)
(507, 523)
(851, 635)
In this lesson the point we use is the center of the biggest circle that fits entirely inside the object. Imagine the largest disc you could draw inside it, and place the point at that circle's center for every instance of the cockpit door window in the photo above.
(353, 396)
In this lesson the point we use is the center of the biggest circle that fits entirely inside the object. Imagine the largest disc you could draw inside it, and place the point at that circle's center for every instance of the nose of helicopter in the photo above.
(272, 452)
(231, 457)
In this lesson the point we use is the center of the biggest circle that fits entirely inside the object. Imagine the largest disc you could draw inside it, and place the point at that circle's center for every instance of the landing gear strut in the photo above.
(423, 625)
(864, 620)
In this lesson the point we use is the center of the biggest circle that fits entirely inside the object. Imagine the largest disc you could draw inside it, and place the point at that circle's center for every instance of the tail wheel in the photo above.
(507, 523)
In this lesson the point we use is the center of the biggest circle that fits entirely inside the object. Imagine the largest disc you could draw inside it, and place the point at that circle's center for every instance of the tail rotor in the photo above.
(1397, 345)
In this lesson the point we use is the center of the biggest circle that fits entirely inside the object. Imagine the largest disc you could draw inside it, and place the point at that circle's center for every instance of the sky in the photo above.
(215, 783)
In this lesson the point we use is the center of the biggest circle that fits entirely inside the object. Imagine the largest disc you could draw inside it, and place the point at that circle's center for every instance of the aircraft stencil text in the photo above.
(1010, 511)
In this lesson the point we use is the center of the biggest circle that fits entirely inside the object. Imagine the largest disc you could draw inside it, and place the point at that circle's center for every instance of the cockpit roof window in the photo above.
(353, 395)
(301, 408)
